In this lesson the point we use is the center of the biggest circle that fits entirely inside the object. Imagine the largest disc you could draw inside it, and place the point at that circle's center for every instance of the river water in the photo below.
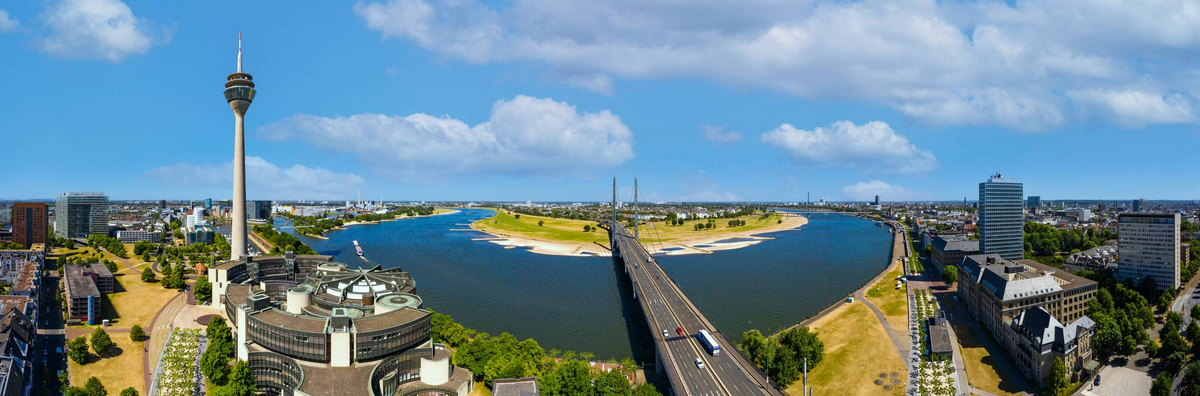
(580, 303)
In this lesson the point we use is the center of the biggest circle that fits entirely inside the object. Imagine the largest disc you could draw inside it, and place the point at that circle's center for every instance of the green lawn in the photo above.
(661, 232)
(893, 302)
(857, 350)
(565, 230)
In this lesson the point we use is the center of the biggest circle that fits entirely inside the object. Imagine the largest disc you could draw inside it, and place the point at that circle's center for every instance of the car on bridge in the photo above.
(699, 363)
(679, 330)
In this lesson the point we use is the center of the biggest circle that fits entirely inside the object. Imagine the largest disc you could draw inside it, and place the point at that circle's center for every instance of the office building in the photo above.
(876, 200)
(83, 285)
(78, 215)
(307, 325)
(1040, 338)
(258, 210)
(1000, 293)
(951, 249)
(162, 204)
(1094, 259)
(1139, 205)
(134, 236)
(207, 204)
(29, 223)
(202, 233)
(1001, 218)
(1033, 202)
(1148, 245)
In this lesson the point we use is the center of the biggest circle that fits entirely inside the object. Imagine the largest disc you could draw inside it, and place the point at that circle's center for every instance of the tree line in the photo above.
(282, 241)
(782, 357)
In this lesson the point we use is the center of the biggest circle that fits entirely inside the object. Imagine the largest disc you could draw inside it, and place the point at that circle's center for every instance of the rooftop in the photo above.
(1009, 280)
(525, 386)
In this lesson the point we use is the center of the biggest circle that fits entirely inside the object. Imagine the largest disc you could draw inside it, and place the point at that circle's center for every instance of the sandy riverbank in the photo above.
(705, 242)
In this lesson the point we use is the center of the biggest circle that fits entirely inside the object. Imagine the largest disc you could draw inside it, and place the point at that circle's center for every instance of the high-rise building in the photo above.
(208, 204)
(1033, 202)
(1148, 246)
(29, 223)
(1001, 220)
(239, 92)
(876, 200)
(77, 215)
(258, 210)
(162, 204)
(1139, 205)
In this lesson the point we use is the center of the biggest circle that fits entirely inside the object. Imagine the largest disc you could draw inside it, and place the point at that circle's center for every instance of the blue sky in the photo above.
(718, 101)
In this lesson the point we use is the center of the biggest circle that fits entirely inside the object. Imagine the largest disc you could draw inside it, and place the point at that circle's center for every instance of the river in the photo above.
(579, 303)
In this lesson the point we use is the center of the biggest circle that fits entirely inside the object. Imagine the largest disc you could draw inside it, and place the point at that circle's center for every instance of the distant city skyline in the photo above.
(362, 102)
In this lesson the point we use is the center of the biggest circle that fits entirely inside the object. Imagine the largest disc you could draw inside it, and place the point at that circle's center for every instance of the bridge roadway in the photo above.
(667, 308)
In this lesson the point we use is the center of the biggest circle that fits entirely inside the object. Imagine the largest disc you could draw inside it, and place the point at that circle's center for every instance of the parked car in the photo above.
(1096, 382)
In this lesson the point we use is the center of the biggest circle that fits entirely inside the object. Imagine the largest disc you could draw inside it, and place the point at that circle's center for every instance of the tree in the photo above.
(1152, 348)
(540, 223)
(587, 227)
(101, 342)
(645, 389)
(77, 350)
(611, 383)
(1161, 385)
(1175, 361)
(756, 348)
(1128, 346)
(1058, 377)
(148, 275)
(1165, 300)
(1195, 312)
(137, 334)
(94, 387)
(241, 382)
(1191, 380)
(203, 289)
(950, 275)
(1193, 332)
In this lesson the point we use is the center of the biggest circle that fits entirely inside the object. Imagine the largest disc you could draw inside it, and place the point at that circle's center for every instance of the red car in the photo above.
(679, 330)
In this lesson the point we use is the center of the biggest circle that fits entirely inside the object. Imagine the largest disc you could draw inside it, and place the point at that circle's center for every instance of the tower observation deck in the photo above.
(239, 92)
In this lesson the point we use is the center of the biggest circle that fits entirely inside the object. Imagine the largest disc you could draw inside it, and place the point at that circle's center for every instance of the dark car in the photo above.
(1096, 382)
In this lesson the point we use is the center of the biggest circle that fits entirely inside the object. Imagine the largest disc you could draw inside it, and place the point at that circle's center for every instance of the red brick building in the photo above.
(29, 223)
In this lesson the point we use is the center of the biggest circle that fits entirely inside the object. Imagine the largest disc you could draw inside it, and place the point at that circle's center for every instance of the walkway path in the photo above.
(158, 337)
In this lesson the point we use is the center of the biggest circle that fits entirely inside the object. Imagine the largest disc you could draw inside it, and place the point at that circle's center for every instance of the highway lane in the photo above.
(669, 306)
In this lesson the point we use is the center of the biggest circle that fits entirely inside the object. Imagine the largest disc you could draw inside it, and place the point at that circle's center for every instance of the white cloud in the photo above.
(264, 180)
(872, 147)
(939, 62)
(523, 136)
(719, 135)
(1135, 108)
(7, 23)
(866, 191)
(96, 29)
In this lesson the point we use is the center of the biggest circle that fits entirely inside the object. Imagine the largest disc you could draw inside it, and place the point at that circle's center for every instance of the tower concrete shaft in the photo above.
(239, 92)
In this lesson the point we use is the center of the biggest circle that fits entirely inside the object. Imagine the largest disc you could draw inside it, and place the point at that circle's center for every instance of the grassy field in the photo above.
(122, 369)
(857, 350)
(893, 302)
(983, 365)
(564, 230)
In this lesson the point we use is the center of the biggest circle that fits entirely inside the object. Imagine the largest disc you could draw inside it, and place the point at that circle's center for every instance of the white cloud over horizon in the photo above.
(871, 148)
(939, 62)
(7, 22)
(866, 191)
(264, 180)
(720, 136)
(523, 136)
(97, 29)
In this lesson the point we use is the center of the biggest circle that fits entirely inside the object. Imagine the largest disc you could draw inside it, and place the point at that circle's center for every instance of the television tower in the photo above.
(239, 92)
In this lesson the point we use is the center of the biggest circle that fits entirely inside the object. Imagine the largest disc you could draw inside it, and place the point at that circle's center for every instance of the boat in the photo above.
(358, 249)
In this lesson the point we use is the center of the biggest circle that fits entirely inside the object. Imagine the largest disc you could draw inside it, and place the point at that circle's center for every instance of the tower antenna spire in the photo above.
(239, 52)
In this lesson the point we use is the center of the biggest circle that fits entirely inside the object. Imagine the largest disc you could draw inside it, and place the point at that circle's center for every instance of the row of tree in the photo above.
(93, 387)
(503, 356)
(782, 357)
(112, 245)
(282, 241)
(1045, 240)
(214, 364)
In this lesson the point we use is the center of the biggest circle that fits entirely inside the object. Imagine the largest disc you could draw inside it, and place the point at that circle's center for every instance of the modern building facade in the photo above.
(309, 326)
(1148, 244)
(951, 249)
(133, 236)
(1033, 202)
(77, 215)
(259, 210)
(1001, 218)
(1139, 205)
(29, 223)
(1094, 259)
(998, 292)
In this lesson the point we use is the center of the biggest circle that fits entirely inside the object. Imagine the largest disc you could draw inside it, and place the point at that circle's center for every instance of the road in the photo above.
(669, 310)
(46, 362)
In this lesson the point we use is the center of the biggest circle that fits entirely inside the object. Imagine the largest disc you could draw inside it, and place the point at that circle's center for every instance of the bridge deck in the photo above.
(667, 308)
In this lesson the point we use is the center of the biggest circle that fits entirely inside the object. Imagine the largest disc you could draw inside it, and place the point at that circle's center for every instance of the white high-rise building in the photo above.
(1148, 246)
(1002, 218)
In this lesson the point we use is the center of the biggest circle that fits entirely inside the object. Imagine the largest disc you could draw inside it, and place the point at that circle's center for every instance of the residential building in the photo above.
(13, 262)
(1094, 259)
(83, 285)
(1040, 338)
(1148, 244)
(78, 215)
(1001, 219)
(29, 223)
(997, 292)
(951, 249)
(17, 332)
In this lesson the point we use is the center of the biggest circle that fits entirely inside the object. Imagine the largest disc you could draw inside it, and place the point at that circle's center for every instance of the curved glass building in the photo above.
(311, 326)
